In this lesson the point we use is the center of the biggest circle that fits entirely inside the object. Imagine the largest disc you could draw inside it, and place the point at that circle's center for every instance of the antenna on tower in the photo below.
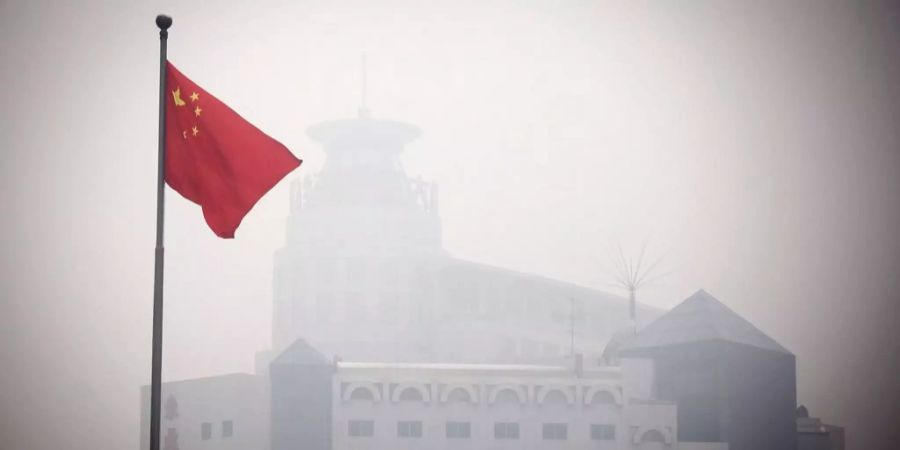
(364, 107)
(633, 275)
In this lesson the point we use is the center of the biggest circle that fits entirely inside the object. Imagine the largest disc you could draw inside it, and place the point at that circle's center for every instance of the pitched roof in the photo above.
(701, 318)
(300, 353)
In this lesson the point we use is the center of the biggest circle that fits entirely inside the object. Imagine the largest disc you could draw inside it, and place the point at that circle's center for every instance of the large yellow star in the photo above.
(195, 130)
(197, 111)
(176, 95)
(195, 96)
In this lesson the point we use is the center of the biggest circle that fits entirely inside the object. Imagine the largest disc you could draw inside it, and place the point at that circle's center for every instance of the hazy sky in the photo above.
(755, 146)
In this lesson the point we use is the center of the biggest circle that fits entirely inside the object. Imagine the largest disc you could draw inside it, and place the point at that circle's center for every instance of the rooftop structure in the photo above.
(731, 382)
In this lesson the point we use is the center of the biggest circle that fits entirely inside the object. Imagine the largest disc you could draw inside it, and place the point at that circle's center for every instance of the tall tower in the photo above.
(359, 236)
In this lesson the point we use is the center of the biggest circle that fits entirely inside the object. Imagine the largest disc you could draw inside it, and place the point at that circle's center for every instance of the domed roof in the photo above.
(363, 129)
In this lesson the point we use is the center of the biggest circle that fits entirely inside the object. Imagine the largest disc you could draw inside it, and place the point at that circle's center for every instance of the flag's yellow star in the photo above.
(184, 134)
(195, 130)
(197, 111)
(195, 96)
(176, 95)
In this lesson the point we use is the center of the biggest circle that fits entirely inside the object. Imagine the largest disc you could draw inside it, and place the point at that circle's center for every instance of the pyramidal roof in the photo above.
(300, 353)
(701, 318)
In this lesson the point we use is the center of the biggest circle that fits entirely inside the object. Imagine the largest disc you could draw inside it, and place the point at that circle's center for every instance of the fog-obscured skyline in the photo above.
(754, 146)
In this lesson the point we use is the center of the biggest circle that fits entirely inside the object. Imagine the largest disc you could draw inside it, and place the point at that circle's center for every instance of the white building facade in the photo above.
(319, 404)
(442, 406)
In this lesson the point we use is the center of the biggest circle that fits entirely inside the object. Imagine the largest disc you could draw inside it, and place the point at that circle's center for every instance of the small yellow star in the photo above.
(197, 111)
(195, 96)
(184, 134)
(195, 130)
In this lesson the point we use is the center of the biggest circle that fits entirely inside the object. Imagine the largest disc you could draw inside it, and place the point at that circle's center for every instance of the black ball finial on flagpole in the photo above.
(163, 22)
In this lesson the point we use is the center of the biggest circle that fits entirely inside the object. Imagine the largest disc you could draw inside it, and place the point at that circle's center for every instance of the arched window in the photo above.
(653, 436)
(410, 395)
(655, 439)
(361, 393)
(603, 398)
(459, 395)
(506, 396)
(410, 392)
(555, 398)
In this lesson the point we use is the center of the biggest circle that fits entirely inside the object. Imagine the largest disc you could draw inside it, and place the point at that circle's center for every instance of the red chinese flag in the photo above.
(215, 158)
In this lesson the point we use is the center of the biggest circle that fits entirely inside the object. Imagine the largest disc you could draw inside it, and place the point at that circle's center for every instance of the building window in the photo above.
(603, 398)
(361, 428)
(506, 430)
(555, 432)
(459, 430)
(555, 397)
(362, 393)
(603, 432)
(227, 429)
(507, 396)
(205, 431)
(409, 429)
(410, 395)
(460, 395)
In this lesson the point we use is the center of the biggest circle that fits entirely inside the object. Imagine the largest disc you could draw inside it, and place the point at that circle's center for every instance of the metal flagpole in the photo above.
(163, 22)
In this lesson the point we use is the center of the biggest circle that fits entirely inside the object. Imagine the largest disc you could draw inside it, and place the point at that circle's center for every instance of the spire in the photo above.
(364, 107)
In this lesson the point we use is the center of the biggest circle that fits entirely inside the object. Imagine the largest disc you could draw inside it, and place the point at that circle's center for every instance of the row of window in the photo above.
(327, 271)
(389, 306)
(463, 430)
(206, 430)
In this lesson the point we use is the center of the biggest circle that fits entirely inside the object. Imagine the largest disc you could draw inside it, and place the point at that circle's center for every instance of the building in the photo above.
(363, 273)
(669, 390)
(311, 402)
(226, 412)
(731, 382)
(319, 404)
(813, 434)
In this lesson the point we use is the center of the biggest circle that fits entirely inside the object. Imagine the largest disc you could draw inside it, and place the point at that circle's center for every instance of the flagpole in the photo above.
(163, 22)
